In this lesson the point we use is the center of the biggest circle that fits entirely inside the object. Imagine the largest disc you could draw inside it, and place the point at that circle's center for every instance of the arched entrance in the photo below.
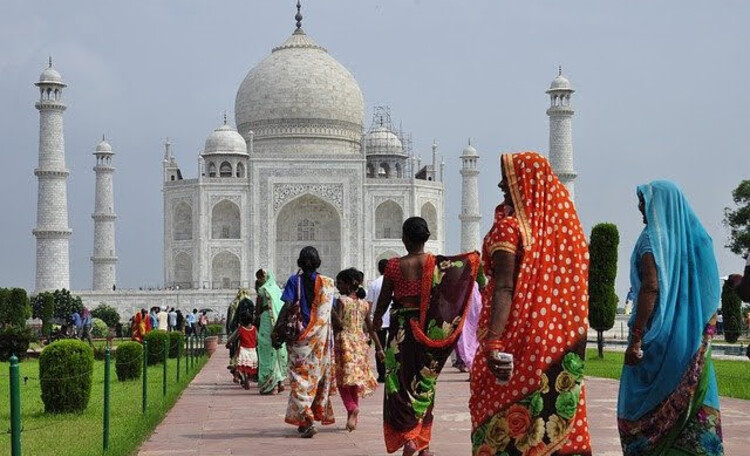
(308, 220)
(225, 270)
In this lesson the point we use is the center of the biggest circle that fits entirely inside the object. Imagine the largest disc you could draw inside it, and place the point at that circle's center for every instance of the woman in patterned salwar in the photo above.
(271, 362)
(669, 402)
(311, 362)
(535, 309)
(430, 300)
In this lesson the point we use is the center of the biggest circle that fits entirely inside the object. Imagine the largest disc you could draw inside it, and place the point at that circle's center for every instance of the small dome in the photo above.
(469, 151)
(50, 76)
(383, 141)
(225, 140)
(103, 147)
(560, 83)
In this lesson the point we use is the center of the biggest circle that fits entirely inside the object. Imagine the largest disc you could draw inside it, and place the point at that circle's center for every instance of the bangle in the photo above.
(494, 344)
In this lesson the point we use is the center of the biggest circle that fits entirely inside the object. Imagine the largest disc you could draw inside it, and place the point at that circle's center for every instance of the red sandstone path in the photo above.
(216, 417)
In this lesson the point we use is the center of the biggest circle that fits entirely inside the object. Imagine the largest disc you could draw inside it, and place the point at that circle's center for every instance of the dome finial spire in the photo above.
(50, 61)
(103, 139)
(225, 117)
(559, 70)
(298, 16)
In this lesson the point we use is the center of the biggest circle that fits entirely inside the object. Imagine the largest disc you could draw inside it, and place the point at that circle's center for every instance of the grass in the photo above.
(81, 434)
(733, 377)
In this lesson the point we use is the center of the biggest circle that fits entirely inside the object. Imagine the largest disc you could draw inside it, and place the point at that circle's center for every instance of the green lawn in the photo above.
(81, 434)
(733, 376)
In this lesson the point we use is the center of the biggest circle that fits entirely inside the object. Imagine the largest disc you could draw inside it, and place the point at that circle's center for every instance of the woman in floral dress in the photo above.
(669, 401)
(527, 392)
(311, 364)
(431, 297)
(354, 378)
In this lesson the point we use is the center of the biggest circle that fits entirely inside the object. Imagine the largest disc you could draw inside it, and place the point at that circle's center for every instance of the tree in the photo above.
(106, 313)
(602, 274)
(738, 220)
(66, 304)
(731, 309)
(14, 307)
(43, 307)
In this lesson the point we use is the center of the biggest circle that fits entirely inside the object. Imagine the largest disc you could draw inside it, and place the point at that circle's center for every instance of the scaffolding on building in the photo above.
(381, 118)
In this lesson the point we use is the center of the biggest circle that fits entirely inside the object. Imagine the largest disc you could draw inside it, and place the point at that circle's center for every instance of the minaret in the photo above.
(560, 115)
(470, 216)
(52, 231)
(104, 258)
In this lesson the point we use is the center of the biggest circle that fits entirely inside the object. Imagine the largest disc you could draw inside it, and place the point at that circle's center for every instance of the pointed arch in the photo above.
(182, 222)
(388, 220)
(429, 213)
(225, 270)
(183, 270)
(225, 220)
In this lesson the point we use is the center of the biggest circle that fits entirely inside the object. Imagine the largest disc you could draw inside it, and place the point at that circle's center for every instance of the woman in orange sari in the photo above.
(141, 325)
(527, 393)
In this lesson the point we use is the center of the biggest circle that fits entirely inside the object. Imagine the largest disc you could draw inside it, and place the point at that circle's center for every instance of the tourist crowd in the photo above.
(515, 317)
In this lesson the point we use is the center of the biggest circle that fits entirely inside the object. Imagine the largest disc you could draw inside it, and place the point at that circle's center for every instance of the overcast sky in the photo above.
(661, 92)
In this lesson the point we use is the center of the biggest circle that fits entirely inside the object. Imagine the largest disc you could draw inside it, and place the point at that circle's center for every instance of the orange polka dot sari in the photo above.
(542, 410)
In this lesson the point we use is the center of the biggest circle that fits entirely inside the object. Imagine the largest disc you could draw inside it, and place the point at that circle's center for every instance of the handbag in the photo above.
(289, 325)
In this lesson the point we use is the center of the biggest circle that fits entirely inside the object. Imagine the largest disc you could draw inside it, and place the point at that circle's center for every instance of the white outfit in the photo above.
(373, 293)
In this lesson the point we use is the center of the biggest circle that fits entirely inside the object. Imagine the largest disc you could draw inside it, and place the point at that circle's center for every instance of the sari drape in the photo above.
(541, 410)
(141, 327)
(669, 401)
(272, 363)
(420, 340)
(311, 362)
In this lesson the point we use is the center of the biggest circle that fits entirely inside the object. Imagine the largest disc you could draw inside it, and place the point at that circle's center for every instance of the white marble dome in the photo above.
(300, 91)
(50, 76)
(560, 83)
(225, 140)
(469, 151)
(383, 141)
(103, 147)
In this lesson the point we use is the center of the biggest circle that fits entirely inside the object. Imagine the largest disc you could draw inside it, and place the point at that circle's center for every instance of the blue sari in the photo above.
(669, 403)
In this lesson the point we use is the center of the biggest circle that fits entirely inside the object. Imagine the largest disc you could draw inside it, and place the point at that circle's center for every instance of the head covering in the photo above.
(689, 291)
(271, 289)
(549, 316)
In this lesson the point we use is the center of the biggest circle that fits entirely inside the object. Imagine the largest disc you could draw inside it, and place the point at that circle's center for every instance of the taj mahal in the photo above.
(301, 167)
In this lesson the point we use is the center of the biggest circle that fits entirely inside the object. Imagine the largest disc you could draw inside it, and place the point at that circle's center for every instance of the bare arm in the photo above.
(502, 300)
(372, 331)
(336, 319)
(645, 306)
(504, 272)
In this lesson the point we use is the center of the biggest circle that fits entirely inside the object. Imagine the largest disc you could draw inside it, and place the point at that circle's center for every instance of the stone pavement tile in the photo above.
(215, 417)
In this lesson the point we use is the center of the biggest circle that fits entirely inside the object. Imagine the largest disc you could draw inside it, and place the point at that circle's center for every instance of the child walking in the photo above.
(246, 366)
(353, 326)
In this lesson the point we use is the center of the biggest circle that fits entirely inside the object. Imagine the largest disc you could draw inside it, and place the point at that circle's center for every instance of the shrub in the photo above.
(65, 375)
(108, 314)
(214, 330)
(602, 275)
(99, 328)
(157, 341)
(46, 311)
(14, 307)
(731, 309)
(14, 340)
(129, 361)
(176, 339)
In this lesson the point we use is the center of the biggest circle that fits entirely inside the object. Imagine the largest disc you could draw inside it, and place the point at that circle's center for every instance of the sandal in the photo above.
(309, 432)
(410, 448)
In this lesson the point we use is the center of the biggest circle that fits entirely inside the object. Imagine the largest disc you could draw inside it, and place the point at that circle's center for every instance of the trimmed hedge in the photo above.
(176, 340)
(214, 330)
(14, 340)
(108, 314)
(129, 361)
(731, 308)
(99, 328)
(65, 374)
(157, 340)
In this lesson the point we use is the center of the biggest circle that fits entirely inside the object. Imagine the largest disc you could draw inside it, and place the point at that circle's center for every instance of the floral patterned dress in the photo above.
(311, 363)
(352, 360)
(542, 409)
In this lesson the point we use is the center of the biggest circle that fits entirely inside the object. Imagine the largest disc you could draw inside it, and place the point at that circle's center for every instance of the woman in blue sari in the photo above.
(668, 402)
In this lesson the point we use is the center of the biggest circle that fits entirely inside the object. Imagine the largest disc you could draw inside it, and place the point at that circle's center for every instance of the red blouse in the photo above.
(248, 337)
(402, 288)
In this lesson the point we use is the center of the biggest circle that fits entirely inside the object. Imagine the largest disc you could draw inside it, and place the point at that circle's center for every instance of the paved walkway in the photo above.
(216, 417)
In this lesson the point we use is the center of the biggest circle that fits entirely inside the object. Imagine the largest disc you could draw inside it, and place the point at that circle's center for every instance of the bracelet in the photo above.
(494, 344)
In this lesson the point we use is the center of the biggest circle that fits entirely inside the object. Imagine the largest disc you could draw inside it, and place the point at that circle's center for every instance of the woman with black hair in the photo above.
(430, 297)
(311, 356)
